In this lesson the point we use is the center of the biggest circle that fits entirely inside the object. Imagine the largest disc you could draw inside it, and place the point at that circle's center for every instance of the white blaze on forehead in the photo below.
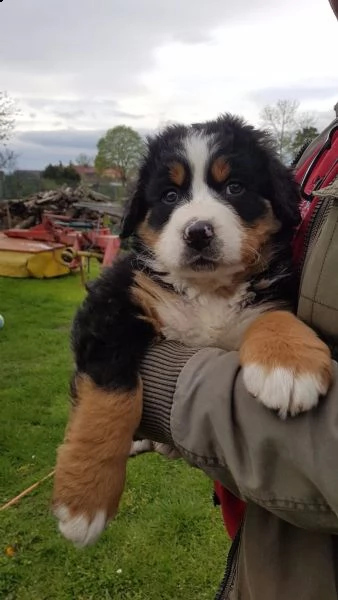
(203, 205)
(197, 149)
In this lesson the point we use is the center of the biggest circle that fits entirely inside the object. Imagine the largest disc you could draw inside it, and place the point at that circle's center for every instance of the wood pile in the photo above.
(76, 203)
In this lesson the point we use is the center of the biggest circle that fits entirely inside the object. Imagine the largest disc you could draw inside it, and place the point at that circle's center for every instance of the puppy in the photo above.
(212, 218)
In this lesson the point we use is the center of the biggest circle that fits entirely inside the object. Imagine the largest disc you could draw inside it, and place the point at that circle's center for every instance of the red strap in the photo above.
(232, 509)
(307, 209)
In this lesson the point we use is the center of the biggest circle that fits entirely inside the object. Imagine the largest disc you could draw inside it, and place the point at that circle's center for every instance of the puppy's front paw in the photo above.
(285, 365)
(283, 389)
(86, 495)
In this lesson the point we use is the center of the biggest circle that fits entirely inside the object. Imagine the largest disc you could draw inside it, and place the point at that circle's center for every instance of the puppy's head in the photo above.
(210, 197)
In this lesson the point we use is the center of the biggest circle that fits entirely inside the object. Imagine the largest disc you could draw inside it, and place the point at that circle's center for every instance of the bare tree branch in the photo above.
(84, 160)
(8, 112)
(8, 159)
(281, 121)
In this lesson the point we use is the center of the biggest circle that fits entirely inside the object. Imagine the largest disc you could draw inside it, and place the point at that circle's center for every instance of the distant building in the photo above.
(87, 174)
(90, 175)
(112, 173)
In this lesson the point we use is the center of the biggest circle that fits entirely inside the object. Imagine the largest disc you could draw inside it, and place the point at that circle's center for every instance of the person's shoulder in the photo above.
(318, 293)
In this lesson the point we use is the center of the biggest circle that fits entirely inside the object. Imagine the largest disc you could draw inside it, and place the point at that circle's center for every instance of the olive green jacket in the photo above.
(287, 472)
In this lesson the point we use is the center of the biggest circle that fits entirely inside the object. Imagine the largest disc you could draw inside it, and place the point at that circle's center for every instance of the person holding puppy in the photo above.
(287, 544)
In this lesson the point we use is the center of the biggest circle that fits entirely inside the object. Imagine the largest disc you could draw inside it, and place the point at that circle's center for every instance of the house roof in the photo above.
(111, 173)
(84, 170)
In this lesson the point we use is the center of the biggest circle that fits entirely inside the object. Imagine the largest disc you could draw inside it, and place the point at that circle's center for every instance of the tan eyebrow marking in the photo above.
(220, 169)
(177, 173)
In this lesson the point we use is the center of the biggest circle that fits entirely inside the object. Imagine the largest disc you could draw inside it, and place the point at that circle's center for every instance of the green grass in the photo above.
(167, 542)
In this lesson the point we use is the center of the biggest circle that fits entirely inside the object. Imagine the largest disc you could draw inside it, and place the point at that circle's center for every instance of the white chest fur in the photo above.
(207, 319)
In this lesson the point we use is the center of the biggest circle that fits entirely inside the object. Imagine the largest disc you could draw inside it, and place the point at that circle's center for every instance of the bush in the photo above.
(61, 174)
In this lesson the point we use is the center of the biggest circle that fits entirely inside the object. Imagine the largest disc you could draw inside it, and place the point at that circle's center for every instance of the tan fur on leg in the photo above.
(91, 463)
(285, 364)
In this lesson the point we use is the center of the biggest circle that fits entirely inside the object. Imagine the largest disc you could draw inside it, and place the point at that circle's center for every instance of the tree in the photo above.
(7, 116)
(303, 136)
(61, 174)
(8, 112)
(84, 160)
(283, 121)
(121, 149)
(8, 159)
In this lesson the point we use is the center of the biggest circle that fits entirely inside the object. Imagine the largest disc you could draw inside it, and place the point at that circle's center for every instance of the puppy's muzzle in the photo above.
(198, 235)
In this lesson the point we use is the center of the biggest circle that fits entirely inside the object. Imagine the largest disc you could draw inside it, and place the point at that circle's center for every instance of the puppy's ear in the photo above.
(135, 208)
(281, 187)
(285, 193)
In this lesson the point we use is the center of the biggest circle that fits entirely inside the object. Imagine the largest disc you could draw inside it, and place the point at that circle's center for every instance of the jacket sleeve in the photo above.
(195, 400)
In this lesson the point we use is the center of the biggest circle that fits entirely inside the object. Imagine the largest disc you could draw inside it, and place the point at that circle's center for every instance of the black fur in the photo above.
(108, 338)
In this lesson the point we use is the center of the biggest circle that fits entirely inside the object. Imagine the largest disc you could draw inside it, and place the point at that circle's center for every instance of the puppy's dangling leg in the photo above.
(91, 463)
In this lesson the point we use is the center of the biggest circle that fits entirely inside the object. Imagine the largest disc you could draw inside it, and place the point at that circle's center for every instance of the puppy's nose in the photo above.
(198, 235)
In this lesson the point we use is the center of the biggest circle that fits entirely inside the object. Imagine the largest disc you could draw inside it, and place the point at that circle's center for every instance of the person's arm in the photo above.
(196, 401)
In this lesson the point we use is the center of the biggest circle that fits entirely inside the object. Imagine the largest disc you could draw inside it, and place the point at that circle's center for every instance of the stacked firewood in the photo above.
(77, 203)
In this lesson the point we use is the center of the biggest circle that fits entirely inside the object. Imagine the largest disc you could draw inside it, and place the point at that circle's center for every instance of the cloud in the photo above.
(38, 148)
(76, 113)
(83, 67)
(55, 139)
(306, 93)
(100, 48)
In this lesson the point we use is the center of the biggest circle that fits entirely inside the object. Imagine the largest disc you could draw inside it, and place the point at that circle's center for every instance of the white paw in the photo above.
(140, 447)
(282, 390)
(79, 529)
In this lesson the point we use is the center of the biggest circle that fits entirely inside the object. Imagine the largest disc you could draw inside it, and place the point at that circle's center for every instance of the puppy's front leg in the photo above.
(91, 463)
(110, 336)
(285, 364)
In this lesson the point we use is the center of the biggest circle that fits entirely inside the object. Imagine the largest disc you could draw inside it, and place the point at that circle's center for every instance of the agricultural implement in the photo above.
(58, 245)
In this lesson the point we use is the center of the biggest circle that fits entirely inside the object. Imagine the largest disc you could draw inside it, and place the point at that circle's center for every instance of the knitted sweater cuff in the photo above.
(159, 371)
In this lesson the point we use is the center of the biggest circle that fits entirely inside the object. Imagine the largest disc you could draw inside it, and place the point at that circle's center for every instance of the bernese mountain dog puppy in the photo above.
(211, 221)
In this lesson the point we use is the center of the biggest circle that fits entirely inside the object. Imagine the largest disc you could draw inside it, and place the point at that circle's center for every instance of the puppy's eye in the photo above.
(170, 197)
(234, 189)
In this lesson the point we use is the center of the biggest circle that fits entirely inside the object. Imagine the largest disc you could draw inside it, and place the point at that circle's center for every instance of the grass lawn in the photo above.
(167, 542)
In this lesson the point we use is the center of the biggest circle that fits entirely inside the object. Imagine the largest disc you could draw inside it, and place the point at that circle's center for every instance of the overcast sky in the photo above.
(79, 67)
